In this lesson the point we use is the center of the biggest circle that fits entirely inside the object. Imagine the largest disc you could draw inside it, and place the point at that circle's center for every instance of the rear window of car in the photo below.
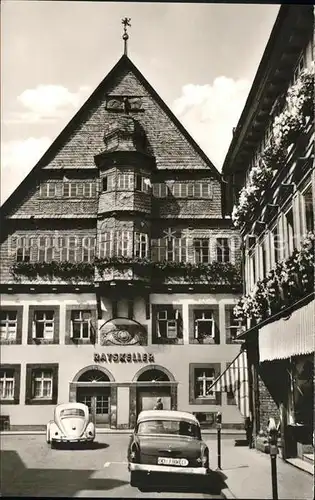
(72, 412)
(174, 427)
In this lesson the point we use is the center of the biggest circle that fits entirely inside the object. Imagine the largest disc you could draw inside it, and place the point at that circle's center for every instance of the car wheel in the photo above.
(135, 479)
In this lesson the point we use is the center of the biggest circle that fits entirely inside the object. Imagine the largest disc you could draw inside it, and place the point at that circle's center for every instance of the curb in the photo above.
(228, 493)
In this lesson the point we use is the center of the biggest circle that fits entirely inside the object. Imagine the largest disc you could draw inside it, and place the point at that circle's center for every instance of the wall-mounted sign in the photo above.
(135, 357)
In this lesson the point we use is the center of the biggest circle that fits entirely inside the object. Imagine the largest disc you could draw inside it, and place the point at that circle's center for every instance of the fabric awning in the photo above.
(286, 337)
(235, 379)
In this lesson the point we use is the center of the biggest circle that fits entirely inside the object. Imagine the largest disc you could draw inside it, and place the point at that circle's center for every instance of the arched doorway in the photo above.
(152, 383)
(93, 389)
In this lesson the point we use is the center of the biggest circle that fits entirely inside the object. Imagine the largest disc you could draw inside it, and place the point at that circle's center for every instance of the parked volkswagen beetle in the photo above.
(166, 442)
(71, 424)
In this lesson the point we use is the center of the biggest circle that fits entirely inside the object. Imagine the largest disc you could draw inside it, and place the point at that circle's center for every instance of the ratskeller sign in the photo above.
(136, 357)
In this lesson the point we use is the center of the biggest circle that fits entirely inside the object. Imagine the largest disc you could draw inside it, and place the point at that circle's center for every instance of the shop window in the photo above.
(10, 384)
(201, 378)
(80, 324)
(41, 383)
(223, 250)
(43, 325)
(201, 251)
(167, 327)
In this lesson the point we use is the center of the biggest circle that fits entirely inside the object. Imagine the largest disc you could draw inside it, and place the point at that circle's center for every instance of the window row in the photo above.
(183, 190)
(126, 181)
(81, 324)
(120, 243)
(68, 189)
(42, 384)
(278, 242)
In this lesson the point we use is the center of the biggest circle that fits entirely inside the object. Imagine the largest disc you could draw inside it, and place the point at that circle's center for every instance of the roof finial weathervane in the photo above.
(125, 22)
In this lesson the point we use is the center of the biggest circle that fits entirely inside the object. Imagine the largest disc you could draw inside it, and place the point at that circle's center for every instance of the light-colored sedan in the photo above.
(166, 442)
(71, 424)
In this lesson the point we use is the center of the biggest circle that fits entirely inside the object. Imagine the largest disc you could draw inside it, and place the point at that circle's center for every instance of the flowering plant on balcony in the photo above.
(290, 280)
(287, 126)
(64, 270)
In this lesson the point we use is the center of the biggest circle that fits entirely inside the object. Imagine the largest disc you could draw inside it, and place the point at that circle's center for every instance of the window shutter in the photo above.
(33, 329)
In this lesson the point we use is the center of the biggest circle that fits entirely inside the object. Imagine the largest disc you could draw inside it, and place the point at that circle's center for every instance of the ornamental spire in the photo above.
(125, 22)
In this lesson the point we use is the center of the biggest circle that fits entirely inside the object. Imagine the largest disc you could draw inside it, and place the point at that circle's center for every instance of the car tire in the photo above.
(135, 479)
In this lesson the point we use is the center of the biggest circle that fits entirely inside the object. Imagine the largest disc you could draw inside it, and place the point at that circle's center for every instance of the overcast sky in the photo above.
(200, 58)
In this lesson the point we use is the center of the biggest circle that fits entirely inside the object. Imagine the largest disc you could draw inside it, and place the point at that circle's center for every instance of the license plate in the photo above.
(182, 462)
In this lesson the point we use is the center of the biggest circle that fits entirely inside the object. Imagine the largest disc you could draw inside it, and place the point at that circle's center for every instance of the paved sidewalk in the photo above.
(247, 474)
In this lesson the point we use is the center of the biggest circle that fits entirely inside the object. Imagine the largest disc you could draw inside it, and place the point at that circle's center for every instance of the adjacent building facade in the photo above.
(270, 173)
(119, 271)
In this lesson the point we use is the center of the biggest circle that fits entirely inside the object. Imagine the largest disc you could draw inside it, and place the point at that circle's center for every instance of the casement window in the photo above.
(8, 325)
(223, 250)
(105, 244)
(159, 190)
(80, 326)
(289, 232)
(88, 248)
(48, 189)
(43, 325)
(204, 324)
(201, 251)
(7, 384)
(88, 189)
(41, 383)
(167, 323)
(45, 249)
(140, 245)
(231, 325)
(69, 249)
(79, 189)
(138, 182)
(23, 249)
(252, 269)
(171, 249)
(307, 210)
(125, 181)
(275, 243)
(122, 243)
(108, 182)
(263, 259)
(298, 68)
(204, 378)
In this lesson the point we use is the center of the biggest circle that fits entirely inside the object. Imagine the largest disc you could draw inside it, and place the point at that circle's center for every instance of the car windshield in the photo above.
(174, 427)
(72, 412)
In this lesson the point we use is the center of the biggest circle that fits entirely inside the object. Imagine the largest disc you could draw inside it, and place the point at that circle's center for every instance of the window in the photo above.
(204, 324)
(80, 324)
(45, 249)
(145, 184)
(289, 228)
(167, 325)
(88, 248)
(223, 250)
(125, 181)
(231, 325)
(298, 68)
(43, 325)
(275, 245)
(48, 189)
(252, 270)
(263, 254)
(23, 249)
(171, 249)
(307, 210)
(105, 183)
(230, 399)
(66, 189)
(159, 190)
(141, 245)
(201, 251)
(204, 378)
(105, 244)
(122, 243)
(138, 183)
(42, 384)
(8, 325)
(7, 384)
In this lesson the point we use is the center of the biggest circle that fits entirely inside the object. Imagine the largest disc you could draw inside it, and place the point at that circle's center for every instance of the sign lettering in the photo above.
(136, 357)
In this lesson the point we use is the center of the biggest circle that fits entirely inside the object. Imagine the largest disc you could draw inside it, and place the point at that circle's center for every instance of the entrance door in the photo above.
(98, 402)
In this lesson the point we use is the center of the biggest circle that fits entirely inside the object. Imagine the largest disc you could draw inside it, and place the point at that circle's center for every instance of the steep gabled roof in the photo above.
(124, 63)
